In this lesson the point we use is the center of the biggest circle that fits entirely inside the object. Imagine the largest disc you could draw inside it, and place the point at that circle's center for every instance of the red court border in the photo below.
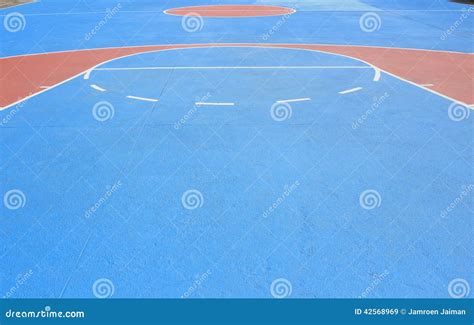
(451, 74)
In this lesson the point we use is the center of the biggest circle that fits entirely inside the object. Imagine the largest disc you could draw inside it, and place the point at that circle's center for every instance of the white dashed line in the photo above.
(143, 99)
(214, 104)
(348, 91)
(293, 100)
(427, 85)
(98, 88)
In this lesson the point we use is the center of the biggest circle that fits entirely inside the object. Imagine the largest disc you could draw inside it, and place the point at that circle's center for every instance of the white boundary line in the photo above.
(378, 74)
(214, 104)
(87, 74)
(348, 91)
(293, 100)
(255, 45)
(201, 46)
(144, 99)
(235, 67)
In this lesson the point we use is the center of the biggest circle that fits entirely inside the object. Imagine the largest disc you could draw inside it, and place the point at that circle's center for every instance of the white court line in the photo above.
(45, 87)
(236, 45)
(143, 99)
(378, 74)
(98, 88)
(293, 100)
(213, 104)
(87, 74)
(427, 85)
(235, 68)
(348, 91)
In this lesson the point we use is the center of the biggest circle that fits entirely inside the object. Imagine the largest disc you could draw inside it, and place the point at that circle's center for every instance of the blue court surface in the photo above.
(236, 172)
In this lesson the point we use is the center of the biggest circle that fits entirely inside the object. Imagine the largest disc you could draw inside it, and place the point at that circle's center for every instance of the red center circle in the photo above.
(231, 11)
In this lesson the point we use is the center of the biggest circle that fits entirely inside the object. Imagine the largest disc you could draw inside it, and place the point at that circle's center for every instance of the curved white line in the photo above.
(239, 44)
(245, 45)
(348, 91)
(89, 71)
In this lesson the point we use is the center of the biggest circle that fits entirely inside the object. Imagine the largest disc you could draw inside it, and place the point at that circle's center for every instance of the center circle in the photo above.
(231, 11)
